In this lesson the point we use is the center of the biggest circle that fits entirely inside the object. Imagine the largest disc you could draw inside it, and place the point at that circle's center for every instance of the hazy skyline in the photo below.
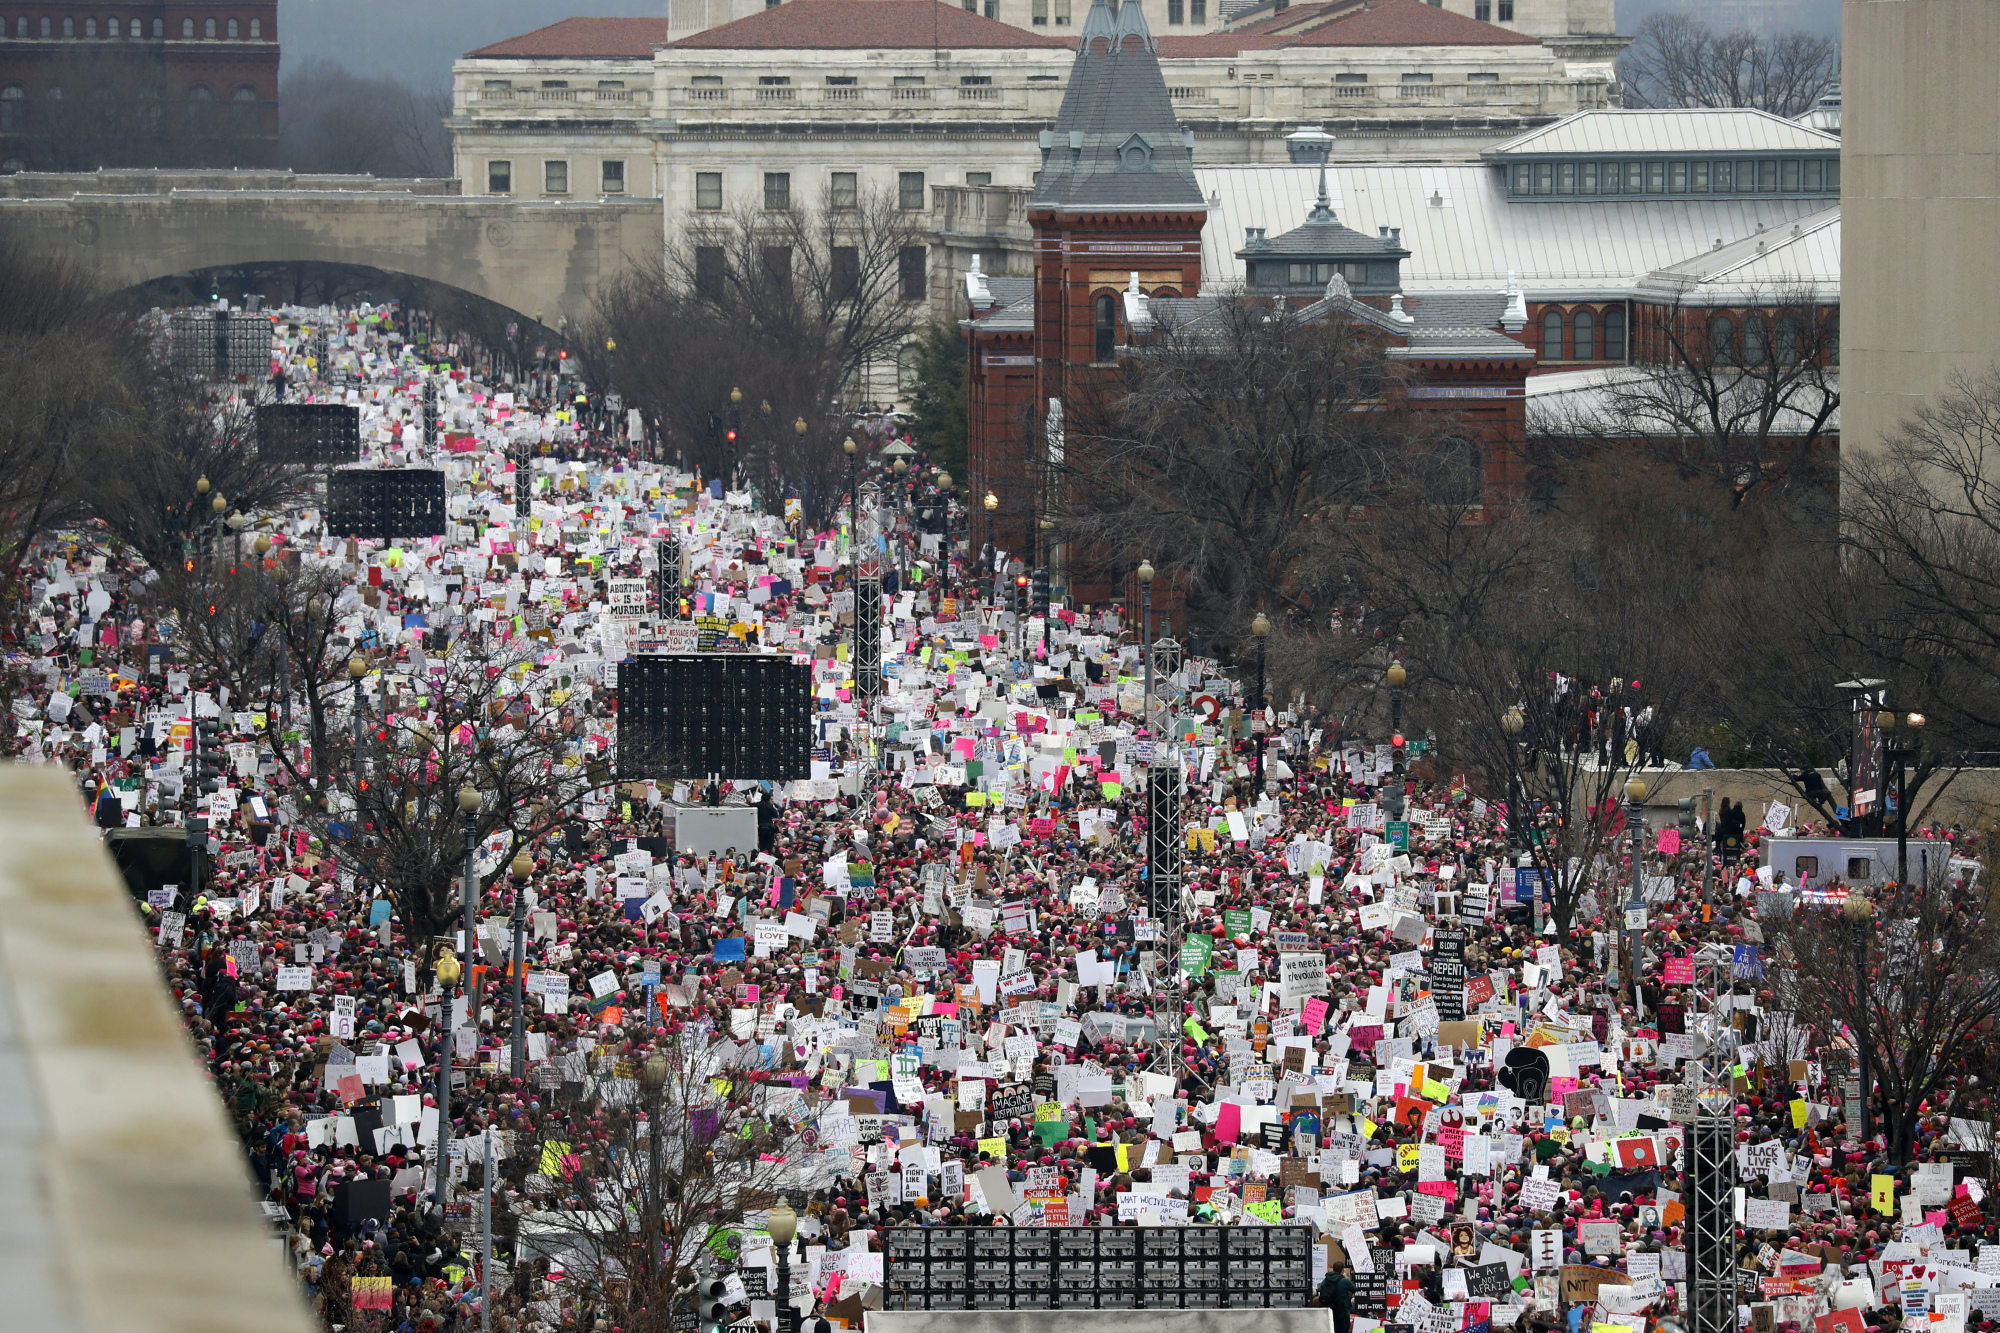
(416, 40)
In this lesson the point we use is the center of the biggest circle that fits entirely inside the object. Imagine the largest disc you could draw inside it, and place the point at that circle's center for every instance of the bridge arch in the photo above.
(530, 257)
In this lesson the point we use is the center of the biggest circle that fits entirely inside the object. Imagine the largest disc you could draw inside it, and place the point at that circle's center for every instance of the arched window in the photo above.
(187, 28)
(244, 110)
(90, 27)
(13, 109)
(12, 165)
(909, 362)
(1107, 327)
(21, 27)
(159, 27)
(1614, 334)
(1753, 341)
(201, 105)
(1788, 341)
(1552, 336)
(69, 27)
(45, 26)
(1721, 341)
(232, 30)
(1584, 336)
(256, 30)
(208, 29)
(1460, 472)
(113, 27)
(151, 110)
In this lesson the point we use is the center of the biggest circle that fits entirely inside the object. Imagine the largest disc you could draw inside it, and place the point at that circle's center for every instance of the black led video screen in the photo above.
(317, 434)
(385, 504)
(736, 716)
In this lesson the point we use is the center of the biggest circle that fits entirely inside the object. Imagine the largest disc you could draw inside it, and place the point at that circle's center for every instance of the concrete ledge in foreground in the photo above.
(125, 1199)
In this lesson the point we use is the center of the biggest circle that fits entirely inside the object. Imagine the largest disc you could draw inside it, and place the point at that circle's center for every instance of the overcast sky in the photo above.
(416, 40)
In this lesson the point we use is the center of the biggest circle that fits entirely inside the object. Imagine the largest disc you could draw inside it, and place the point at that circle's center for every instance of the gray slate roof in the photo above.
(1322, 234)
(1116, 144)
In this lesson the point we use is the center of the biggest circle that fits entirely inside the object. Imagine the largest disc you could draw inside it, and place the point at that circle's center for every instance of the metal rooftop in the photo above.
(1462, 233)
(1666, 132)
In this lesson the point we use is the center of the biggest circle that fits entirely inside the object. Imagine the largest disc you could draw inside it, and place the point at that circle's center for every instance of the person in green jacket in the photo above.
(1336, 1293)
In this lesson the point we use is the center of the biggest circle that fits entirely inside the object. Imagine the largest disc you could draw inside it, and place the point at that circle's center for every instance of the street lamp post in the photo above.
(522, 867)
(783, 1224)
(853, 499)
(610, 369)
(196, 523)
(1902, 752)
(653, 1078)
(1635, 795)
(468, 810)
(357, 667)
(899, 489)
(991, 503)
(236, 523)
(448, 971)
(947, 545)
(1260, 629)
(1860, 913)
(1396, 676)
(1145, 572)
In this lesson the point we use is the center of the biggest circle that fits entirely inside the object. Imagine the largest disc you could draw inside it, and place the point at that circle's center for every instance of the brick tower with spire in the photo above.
(1116, 196)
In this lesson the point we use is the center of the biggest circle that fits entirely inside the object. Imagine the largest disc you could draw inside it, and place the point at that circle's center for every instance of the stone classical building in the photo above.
(1923, 193)
(883, 87)
(1562, 19)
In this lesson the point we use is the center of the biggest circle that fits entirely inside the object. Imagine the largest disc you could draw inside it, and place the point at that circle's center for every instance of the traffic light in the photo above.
(1038, 597)
(1687, 819)
(1020, 605)
(711, 1309)
(208, 756)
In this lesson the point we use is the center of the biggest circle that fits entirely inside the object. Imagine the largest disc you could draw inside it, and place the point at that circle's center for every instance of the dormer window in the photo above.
(1135, 154)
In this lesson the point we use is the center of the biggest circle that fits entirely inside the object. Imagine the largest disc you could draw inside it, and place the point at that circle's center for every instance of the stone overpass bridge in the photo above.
(131, 227)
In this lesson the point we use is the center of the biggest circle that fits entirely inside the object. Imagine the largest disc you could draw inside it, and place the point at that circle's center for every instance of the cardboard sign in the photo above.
(1580, 1282)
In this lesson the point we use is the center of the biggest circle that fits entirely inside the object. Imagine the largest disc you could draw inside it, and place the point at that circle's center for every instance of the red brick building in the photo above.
(137, 83)
(1117, 218)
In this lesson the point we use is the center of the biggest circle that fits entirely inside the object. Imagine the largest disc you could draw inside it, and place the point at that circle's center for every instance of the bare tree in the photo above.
(339, 121)
(145, 486)
(1918, 986)
(1800, 584)
(1225, 448)
(1745, 399)
(1544, 649)
(1679, 61)
(794, 307)
(382, 790)
(1920, 520)
(666, 1153)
